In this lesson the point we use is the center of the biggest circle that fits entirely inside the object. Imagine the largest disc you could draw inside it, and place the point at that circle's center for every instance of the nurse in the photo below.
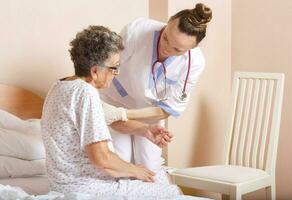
(161, 64)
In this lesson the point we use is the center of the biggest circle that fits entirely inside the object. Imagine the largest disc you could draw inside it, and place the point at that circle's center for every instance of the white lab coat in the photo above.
(134, 86)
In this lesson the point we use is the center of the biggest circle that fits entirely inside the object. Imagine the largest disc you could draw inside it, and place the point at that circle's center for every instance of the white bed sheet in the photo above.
(36, 185)
(37, 188)
(8, 192)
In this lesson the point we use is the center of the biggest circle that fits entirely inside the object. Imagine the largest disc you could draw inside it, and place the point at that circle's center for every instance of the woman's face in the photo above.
(173, 42)
(102, 76)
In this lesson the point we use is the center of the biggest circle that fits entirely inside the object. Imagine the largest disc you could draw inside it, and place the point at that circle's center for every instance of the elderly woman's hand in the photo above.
(158, 135)
(155, 133)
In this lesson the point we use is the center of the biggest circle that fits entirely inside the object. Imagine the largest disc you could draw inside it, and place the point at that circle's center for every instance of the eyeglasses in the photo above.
(115, 70)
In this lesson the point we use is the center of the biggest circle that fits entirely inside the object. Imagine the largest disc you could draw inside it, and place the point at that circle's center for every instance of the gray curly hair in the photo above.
(93, 46)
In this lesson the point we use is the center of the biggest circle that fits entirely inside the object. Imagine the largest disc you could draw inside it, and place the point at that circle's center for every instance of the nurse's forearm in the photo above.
(130, 127)
(147, 113)
(155, 133)
(113, 114)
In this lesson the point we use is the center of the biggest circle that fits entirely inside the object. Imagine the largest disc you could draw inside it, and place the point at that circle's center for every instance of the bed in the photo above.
(25, 105)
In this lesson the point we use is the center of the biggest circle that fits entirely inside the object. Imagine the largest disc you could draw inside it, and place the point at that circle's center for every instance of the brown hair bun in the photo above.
(200, 15)
(194, 21)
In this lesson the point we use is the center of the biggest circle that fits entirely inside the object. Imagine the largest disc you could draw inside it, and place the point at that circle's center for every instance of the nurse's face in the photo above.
(102, 76)
(173, 42)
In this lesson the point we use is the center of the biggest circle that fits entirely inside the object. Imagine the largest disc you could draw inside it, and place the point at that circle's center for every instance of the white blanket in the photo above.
(12, 193)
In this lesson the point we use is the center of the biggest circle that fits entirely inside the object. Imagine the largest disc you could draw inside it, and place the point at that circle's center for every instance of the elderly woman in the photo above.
(80, 157)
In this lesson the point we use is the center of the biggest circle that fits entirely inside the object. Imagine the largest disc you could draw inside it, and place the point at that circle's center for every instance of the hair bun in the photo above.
(201, 14)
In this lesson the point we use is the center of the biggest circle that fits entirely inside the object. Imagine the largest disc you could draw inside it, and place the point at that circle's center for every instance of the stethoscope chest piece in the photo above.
(183, 97)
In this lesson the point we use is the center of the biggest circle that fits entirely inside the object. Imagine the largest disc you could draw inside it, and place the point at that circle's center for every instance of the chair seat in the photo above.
(224, 173)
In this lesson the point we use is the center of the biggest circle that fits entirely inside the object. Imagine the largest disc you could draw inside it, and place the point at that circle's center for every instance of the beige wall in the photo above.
(35, 35)
(262, 41)
(158, 10)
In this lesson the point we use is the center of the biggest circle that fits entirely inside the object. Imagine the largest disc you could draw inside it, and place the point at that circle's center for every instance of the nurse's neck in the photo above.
(160, 56)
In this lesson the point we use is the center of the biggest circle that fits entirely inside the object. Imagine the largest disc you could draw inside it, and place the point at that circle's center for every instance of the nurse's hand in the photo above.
(158, 135)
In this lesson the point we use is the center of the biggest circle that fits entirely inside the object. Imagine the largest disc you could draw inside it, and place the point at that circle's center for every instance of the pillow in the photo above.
(23, 146)
(16, 168)
(32, 126)
(12, 122)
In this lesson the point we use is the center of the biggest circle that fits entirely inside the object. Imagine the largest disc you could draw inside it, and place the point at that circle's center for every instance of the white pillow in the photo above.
(32, 126)
(12, 122)
(23, 146)
(16, 168)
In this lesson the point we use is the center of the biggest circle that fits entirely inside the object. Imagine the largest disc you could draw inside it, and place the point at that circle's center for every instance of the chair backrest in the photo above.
(254, 121)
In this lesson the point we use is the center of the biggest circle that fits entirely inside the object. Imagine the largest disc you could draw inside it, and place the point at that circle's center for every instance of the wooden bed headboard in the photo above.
(20, 102)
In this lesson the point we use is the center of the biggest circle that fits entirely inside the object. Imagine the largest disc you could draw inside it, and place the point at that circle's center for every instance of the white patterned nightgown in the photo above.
(72, 118)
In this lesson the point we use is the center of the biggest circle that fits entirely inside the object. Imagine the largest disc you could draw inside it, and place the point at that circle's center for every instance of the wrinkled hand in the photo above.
(135, 171)
(158, 135)
(142, 173)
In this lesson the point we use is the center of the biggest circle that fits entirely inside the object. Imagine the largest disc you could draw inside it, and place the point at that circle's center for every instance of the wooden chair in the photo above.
(251, 141)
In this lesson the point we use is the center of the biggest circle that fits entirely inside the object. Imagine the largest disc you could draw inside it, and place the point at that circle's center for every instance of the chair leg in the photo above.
(224, 197)
(271, 192)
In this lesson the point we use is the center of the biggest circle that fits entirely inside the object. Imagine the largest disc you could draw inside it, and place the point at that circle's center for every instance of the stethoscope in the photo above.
(183, 96)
